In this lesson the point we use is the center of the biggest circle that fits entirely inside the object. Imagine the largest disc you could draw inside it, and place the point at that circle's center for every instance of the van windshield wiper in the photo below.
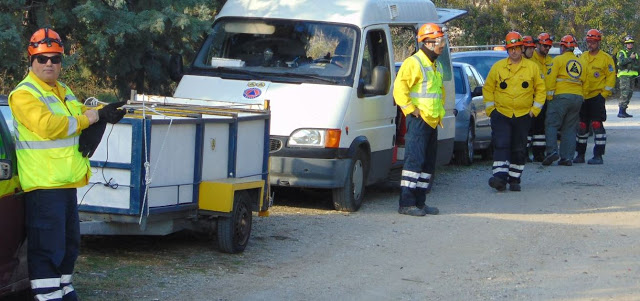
(291, 74)
(258, 75)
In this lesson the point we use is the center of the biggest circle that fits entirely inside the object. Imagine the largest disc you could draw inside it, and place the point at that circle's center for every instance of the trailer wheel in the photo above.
(349, 198)
(234, 231)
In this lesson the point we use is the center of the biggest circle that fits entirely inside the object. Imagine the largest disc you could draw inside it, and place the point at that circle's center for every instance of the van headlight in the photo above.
(315, 138)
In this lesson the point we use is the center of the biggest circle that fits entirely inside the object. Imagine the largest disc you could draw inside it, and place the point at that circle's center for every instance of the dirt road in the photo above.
(573, 233)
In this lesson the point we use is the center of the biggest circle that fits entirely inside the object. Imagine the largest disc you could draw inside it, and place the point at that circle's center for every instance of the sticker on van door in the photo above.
(254, 90)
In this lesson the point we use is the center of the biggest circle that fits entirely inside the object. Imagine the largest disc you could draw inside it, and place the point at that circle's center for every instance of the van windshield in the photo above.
(294, 49)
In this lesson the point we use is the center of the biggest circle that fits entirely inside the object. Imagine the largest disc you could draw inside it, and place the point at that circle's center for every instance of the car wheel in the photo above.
(349, 197)
(234, 230)
(465, 155)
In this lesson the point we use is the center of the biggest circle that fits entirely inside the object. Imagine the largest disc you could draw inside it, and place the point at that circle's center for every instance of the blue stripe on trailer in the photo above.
(233, 148)
(198, 159)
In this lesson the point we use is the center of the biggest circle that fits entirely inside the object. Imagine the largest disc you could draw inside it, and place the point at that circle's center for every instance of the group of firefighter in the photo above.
(530, 98)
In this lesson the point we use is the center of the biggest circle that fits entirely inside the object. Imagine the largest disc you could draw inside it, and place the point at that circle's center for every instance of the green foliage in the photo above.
(488, 21)
(111, 46)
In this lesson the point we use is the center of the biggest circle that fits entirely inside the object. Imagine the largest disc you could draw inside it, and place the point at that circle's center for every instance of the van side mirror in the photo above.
(380, 78)
(6, 169)
(176, 68)
(477, 91)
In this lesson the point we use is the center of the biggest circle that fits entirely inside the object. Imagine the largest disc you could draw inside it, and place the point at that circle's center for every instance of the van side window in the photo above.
(375, 54)
(404, 42)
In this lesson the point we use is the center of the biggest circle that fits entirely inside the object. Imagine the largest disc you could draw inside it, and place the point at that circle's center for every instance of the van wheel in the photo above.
(234, 230)
(465, 155)
(349, 198)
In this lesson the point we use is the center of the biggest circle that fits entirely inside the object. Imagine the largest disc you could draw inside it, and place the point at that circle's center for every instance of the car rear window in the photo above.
(482, 63)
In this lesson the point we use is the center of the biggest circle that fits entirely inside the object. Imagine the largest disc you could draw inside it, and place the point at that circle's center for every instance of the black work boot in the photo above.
(579, 158)
(622, 113)
(498, 183)
(411, 210)
(515, 187)
(550, 158)
(429, 210)
(597, 159)
(565, 162)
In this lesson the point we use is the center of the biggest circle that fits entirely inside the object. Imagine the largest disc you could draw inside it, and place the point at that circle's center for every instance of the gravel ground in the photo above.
(571, 234)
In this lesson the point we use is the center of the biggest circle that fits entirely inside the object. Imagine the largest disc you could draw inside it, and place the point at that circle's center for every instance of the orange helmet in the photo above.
(513, 39)
(594, 35)
(528, 41)
(45, 40)
(429, 31)
(569, 41)
(545, 39)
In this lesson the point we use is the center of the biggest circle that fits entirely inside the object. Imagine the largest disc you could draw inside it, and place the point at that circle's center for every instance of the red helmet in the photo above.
(45, 40)
(545, 39)
(513, 39)
(528, 41)
(594, 35)
(429, 31)
(569, 41)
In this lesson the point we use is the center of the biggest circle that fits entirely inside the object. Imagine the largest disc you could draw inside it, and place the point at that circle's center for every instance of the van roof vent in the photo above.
(393, 11)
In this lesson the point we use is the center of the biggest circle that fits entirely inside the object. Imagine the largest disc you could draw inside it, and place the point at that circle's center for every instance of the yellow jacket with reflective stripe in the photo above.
(48, 158)
(601, 76)
(567, 76)
(626, 65)
(419, 85)
(524, 91)
(543, 62)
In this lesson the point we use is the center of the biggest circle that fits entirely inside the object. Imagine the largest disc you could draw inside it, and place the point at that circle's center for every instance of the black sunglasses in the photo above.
(43, 59)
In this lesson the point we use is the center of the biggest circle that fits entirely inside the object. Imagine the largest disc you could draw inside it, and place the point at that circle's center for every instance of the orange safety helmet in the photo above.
(545, 39)
(429, 31)
(594, 35)
(528, 41)
(45, 40)
(513, 39)
(569, 41)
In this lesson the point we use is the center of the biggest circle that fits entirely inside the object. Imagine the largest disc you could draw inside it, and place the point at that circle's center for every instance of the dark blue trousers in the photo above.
(509, 138)
(421, 145)
(53, 233)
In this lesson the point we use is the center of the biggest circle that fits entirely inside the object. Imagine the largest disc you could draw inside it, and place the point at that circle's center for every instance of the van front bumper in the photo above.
(308, 172)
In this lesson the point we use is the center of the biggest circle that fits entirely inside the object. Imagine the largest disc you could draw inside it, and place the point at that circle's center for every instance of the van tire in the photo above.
(350, 196)
(234, 231)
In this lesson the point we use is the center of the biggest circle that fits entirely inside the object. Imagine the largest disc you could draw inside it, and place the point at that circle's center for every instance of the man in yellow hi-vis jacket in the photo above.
(419, 92)
(514, 92)
(49, 124)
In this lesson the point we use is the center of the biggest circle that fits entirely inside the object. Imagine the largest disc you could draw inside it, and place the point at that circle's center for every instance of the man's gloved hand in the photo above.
(111, 114)
(90, 138)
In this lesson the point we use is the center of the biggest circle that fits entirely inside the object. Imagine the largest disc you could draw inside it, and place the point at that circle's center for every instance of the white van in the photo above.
(327, 70)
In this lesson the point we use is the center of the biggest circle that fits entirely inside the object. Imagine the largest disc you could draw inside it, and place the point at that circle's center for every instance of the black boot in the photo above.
(597, 159)
(622, 113)
(579, 158)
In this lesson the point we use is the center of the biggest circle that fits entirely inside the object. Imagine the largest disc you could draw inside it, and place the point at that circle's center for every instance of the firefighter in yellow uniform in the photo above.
(419, 92)
(544, 61)
(49, 121)
(514, 92)
(565, 85)
(601, 79)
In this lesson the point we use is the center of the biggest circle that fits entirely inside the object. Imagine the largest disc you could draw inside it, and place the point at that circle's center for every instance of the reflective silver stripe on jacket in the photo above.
(571, 80)
(490, 104)
(48, 144)
(425, 82)
(47, 100)
(73, 125)
(608, 88)
(537, 105)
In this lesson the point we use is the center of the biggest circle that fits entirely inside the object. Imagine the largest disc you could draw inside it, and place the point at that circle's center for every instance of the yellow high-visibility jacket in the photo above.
(601, 75)
(48, 122)
(567, 76)
(523, 92)
(411, 90)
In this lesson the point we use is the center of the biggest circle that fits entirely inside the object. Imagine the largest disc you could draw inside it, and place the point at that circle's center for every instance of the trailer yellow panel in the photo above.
(218, 196)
